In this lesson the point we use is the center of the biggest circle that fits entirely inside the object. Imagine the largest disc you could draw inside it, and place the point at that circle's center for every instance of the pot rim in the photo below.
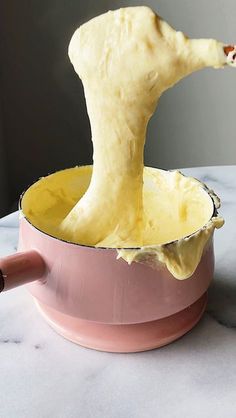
(215, 205)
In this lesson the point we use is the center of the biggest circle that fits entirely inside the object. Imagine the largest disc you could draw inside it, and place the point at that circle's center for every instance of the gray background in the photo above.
(44, 124)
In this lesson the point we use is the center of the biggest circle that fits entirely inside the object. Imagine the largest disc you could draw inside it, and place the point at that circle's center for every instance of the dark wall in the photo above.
(45, 124)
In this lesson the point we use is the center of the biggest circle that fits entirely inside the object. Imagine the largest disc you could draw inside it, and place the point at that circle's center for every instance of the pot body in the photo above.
(91, 284)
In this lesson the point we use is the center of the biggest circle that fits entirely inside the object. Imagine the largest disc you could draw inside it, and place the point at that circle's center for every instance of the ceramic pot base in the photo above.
(124, 338)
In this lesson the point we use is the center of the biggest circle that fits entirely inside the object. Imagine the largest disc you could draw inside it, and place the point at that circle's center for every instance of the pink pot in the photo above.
(95, 300)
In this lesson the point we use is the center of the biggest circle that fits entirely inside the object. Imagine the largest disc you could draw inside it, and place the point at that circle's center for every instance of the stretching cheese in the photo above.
(126, 59)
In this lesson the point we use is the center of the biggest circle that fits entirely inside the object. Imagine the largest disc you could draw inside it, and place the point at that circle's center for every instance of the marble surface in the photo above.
(42, 375)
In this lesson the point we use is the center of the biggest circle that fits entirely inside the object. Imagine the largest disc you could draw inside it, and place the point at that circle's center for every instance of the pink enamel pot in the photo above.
(98, 301)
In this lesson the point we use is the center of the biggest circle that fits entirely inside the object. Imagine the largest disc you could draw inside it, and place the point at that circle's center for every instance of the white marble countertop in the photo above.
(42, 375)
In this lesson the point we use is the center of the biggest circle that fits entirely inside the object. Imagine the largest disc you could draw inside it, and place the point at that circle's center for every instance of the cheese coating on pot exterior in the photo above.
(126, 59)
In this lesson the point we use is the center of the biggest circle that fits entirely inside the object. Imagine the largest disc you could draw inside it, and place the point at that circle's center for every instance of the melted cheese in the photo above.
(174, 206)
(126, 59)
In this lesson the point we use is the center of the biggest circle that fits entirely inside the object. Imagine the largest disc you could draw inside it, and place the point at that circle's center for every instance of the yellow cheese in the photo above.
(174, 206)
(126, 59)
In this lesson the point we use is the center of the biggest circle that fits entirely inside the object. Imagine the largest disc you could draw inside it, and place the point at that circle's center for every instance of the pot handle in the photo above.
(20, 268)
